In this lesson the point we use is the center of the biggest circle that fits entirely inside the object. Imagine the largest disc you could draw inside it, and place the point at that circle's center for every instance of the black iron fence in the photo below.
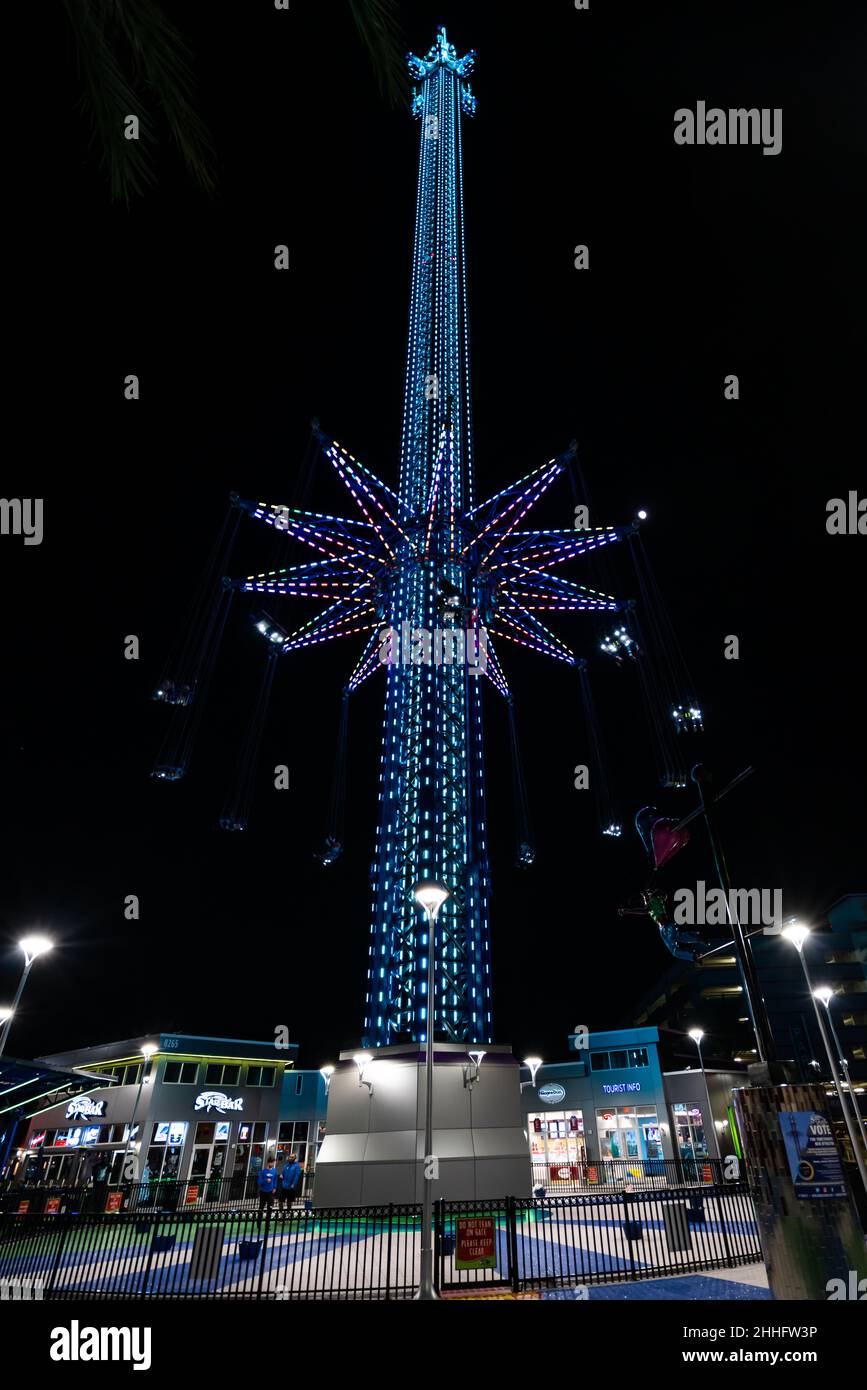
(374, 1252)
(203, 1194)
(586, 1175)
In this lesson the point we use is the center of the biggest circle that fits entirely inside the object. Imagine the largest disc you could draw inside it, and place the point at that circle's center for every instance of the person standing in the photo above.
(267, 1183)
(290, 1182)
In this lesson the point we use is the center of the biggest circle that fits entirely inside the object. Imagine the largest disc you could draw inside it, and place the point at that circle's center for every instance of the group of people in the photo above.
(285, 1185)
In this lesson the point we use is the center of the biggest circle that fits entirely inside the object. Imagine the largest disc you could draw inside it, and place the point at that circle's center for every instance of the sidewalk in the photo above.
(748, 1282)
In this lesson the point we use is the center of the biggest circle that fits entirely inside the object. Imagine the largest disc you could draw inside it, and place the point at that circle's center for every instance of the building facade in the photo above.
(615, 1101)
(198, 1110)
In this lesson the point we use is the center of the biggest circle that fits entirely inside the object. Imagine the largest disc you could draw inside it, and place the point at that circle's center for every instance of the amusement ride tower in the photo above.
(437, 580)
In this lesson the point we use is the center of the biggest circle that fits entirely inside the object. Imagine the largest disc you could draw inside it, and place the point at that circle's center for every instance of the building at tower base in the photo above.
(373, 1151)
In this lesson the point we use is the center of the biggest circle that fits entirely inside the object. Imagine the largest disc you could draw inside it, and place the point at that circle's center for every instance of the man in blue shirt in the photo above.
(290, 1182)
(267, 1181)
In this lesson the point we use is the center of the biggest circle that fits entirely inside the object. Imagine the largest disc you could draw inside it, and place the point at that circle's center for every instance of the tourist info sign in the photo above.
(475, 1242)
(812, 1153)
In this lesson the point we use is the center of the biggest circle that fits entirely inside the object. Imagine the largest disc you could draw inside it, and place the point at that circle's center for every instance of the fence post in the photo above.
(724, 1205)
(439, 1225)
(388, 1252)
(624, 1197)
(57, 1254)
(512, 1242)
(264, 1249)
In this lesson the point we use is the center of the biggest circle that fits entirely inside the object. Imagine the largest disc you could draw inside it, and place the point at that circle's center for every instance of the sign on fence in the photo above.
(192, 1196)
(476, 1242)
(114, 1201)
(52, 1206)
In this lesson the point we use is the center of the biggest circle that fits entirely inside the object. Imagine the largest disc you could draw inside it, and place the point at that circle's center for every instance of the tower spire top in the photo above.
(442, 55)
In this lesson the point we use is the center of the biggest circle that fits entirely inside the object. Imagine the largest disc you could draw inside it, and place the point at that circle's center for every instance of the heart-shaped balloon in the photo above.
(666, 840)
(644, 824)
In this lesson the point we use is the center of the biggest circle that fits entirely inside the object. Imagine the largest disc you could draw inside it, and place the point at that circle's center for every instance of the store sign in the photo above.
(622, 1086)
(217, 1100)
(552, 1094)
(83, 1107)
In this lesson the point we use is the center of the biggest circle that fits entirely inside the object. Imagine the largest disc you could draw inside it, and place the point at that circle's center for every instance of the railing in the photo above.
(197, 1194)
(593, 1175)
(374, 1252)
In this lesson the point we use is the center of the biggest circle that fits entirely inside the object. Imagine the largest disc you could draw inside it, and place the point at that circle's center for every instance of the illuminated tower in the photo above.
(434, 579)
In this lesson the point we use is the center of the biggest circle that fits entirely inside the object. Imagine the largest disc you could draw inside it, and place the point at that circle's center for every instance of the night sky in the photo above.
(703, 262)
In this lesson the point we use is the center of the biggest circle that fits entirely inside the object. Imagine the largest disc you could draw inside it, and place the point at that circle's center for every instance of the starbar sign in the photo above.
(83, 1107)
(217, 1100)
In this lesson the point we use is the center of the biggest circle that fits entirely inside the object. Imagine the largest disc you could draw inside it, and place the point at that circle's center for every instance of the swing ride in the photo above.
(427, 554)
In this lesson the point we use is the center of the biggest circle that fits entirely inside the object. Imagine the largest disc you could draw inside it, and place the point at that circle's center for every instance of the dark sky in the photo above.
(703, 262)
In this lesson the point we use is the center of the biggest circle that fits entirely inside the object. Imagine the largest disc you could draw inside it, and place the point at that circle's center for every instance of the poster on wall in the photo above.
(814, 1163)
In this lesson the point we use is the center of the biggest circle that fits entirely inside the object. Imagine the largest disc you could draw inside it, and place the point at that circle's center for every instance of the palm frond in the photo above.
(132, 61)
(379, 27)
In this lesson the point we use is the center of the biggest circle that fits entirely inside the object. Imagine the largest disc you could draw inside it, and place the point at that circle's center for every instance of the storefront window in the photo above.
(689, 1131)
(557, 1145)
(629, 1132)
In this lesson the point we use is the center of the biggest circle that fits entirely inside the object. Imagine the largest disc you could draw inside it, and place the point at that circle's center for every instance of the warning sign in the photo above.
(114, 1201)
(475, 1242)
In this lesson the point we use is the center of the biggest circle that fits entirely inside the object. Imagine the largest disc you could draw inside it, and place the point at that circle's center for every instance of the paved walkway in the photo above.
(750, 1282)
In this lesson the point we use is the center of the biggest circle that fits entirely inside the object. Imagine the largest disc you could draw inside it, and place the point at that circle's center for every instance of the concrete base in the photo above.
(373, 1148)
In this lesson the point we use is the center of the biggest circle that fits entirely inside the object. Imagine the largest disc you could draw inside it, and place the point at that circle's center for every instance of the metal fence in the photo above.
(374, 1252)
(206, 1194)
(618, 1173)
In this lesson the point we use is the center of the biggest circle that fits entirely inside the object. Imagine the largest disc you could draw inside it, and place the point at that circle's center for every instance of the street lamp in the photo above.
(796, 933)
(32, 946)
(697, 1034)
(533, 1064)
(363, 1060)
(430, 895)
(326, 1073)
(824, 996)
(147, 1051)
(471, 1073)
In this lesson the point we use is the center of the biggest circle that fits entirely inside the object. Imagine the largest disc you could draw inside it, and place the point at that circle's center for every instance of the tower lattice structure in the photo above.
(436, 581)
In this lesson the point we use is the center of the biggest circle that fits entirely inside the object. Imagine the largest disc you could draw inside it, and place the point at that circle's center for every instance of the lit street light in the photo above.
(429, 895)
(147, 1051)
(796, 934)
(33, 947)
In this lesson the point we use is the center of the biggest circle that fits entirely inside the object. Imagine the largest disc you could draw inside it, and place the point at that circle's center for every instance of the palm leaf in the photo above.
(132, 61)
(379, 27)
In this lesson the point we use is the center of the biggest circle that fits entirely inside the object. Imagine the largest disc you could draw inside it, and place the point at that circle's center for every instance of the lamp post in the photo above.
(797, 934)
(326, 1073)
(32, 946)
(147, 1051)
(697, 1034)
(824, 996)
(429, 895)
